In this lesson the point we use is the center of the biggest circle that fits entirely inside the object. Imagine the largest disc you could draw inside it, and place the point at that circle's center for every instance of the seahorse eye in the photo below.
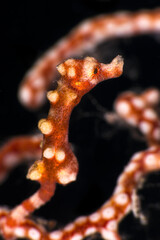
(95, 71)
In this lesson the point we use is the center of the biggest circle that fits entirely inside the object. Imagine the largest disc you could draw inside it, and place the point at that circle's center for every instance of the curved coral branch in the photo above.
(138, 111)
(16, 150)
(83, 37)
(106, 219)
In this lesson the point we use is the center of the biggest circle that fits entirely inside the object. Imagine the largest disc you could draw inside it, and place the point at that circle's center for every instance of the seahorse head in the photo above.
(84, 74)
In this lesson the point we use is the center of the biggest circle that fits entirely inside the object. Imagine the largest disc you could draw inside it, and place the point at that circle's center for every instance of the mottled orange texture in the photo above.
(59, 164)
(139, 111)
(16, 150)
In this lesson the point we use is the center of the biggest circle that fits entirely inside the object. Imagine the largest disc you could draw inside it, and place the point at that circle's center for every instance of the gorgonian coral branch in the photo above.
(16, 150)
(84, 37)
(138, 111)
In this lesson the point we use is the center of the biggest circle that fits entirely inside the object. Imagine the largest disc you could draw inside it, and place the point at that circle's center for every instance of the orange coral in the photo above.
(85, 36)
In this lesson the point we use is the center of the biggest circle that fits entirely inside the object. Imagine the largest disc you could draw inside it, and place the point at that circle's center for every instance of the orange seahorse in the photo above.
(58, 163)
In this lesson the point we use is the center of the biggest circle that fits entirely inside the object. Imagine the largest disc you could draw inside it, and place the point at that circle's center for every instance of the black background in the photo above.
(27, 30)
